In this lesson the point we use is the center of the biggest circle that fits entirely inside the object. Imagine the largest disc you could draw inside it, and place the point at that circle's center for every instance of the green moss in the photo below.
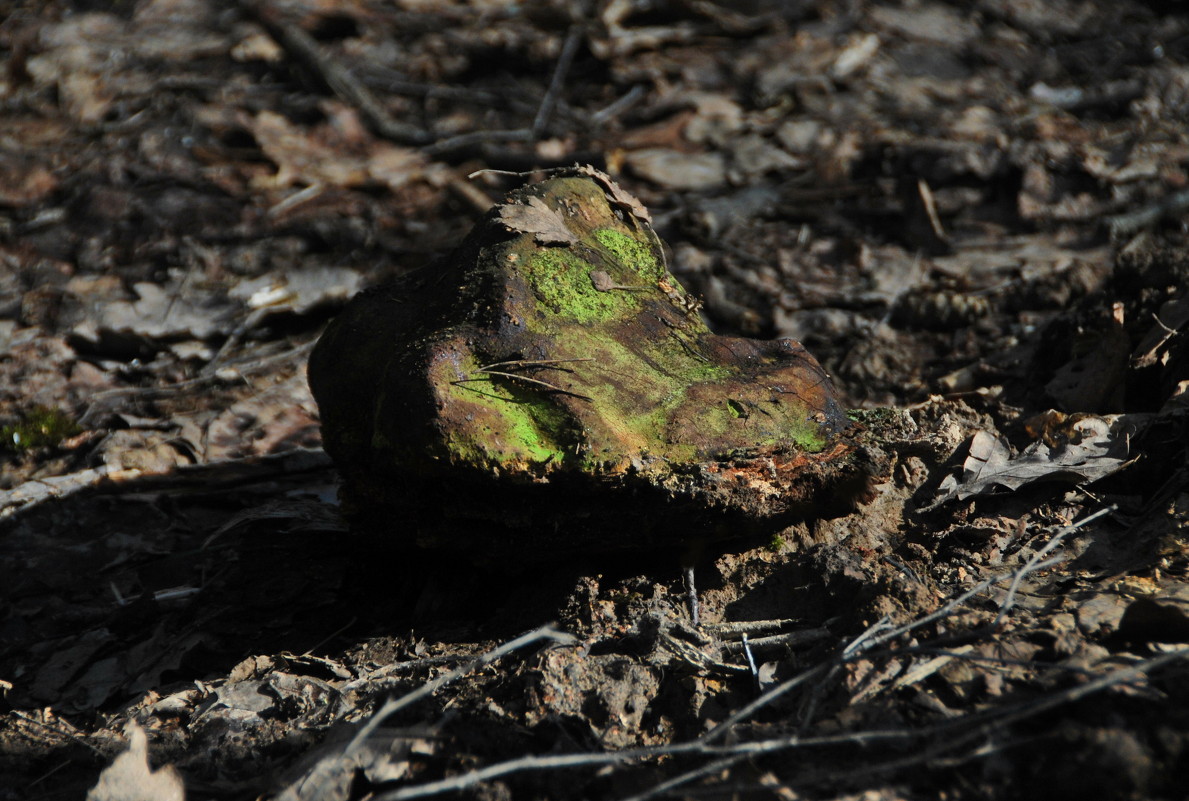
(735, 421)
(778, 543)
(562, 283)
(630, 253)
(510, 425)
(560, 276)
(803, 431)
(40, 427)
(635, 396)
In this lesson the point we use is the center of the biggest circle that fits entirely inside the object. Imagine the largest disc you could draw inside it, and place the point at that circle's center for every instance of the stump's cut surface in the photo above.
(551, 389)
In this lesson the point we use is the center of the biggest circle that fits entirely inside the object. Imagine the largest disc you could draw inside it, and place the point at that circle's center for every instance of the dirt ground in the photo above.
(973, 214)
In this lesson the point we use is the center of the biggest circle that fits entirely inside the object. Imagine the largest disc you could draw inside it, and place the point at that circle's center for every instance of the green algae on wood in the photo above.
(551, 388)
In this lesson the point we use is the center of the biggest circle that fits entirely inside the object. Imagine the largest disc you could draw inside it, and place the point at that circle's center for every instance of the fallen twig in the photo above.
(213, 476)
(1037, 562)
(569, 49)
(466, 141)
(790, 639)
(994, 720)
(338, 78)
(424, 691)
(550, 364)
(882, 632)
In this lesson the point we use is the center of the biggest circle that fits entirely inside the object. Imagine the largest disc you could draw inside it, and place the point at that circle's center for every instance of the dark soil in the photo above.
(973, 214)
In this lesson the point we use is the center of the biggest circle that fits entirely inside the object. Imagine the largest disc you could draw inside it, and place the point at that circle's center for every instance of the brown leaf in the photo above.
(538, 219)
(601, 281)
(616, 193)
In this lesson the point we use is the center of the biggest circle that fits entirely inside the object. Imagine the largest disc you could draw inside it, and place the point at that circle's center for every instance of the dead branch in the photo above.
(302, 48)
(213, 476)
(466, 141)
(788, 640)
(681, 779)
(526, 379)
(569, 49)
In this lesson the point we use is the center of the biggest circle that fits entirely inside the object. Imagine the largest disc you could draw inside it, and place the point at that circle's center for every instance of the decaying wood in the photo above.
(509, 404)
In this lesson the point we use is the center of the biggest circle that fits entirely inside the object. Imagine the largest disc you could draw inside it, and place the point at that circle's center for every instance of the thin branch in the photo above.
(527, 379)
(544, 364)
(525, 764)
(954, 734)
(338, 78)
(1037, 563)
(750, 627)
(881, 633)
(568, 50)
(468, 140)
(634, 96)
(788, 640)
(533, 363)
(763, 700)
(681, 779)
(994, 720)
(1031, 664)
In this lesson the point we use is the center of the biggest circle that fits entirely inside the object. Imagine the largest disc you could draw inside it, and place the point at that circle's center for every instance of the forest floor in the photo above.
(973, 214)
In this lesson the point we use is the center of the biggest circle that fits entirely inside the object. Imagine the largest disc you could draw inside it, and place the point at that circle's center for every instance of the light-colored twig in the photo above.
(394, 705)
(790, 639)
(527, 380)
(949, 730)
(552, 364)
(681, 779)
(882, 632)
(610, 112)
(1038, 562)
(533, 363)
(338, 78)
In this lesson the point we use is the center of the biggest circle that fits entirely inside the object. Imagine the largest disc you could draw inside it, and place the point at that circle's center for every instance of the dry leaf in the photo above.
(601, 281)
(616, 194)
(537, 218)
(1100, 451)
(129, 777)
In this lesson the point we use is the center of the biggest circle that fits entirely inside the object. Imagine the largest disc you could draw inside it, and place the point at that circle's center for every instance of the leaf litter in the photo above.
(982, 208)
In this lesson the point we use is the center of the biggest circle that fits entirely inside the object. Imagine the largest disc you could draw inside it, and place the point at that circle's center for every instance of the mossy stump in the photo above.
(550, 390)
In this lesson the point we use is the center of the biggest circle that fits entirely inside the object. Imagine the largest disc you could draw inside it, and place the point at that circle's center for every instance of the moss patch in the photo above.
(634, 256)
(561, 281)
(39, 427)
(508, 427)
